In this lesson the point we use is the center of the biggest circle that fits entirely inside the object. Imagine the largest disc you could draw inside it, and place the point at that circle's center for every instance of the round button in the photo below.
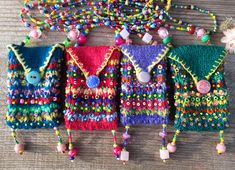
(33, 77)
(203, 86)
(93, 81)
(143, 77)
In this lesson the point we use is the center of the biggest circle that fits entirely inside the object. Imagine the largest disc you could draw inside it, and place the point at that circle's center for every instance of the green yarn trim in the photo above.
(200, 61)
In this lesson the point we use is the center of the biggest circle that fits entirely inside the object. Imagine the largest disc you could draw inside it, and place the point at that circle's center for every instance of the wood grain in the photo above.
(195, 150)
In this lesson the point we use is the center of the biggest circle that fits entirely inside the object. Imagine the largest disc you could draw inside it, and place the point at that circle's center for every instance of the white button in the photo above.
(143, 77)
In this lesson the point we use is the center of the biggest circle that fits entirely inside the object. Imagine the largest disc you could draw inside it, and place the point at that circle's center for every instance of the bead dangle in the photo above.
(19, 147)
(171, 147)
(164, 153)
(200, 33)
(61, 148)
(116, 149)
(73, 152)
(221, 148)
(113, 14)
(124, 152)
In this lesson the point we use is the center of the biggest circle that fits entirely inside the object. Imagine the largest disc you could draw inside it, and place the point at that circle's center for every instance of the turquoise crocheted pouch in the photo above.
(201, 95)
(33, 86)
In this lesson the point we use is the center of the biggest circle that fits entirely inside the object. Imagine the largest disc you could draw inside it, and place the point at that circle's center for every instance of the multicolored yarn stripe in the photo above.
(91, 90)
(198, 111)
(34, 86)
(144, 103)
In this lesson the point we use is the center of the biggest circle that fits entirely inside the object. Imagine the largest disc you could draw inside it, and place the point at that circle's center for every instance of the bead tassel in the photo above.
(164, 153)
(73, 152)
(19, 148)
(126, 138)
(60, 146)
(171, 147)
(221, 148)
(116, 148)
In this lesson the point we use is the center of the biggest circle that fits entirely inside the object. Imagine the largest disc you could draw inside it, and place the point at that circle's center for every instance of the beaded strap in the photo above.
(200, 33)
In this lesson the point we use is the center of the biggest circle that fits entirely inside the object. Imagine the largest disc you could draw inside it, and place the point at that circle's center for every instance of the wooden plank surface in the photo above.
(195, 150)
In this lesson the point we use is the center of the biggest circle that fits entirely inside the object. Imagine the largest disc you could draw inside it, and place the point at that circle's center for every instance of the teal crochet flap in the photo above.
(33, 58)
(200, 61)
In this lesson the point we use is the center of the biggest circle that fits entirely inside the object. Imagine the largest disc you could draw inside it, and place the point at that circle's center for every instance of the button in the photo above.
(143, 77)
(93, 81)
(203, 86)
(33, 77)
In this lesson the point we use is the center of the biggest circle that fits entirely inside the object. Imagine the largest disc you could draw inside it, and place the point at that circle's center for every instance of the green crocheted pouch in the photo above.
(201, 95)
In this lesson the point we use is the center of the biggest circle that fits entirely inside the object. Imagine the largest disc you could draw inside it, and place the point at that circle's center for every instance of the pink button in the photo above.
(203, 86)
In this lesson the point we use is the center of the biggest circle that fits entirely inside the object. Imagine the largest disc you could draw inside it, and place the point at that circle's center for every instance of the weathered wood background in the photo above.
(195, 150)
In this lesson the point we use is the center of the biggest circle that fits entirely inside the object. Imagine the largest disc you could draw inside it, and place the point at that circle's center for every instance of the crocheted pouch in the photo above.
(91, 90)
(143, 86)
(33, 88)
(201, 95)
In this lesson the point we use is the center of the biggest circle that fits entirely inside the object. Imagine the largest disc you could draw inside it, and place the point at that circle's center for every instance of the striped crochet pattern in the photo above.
(144, 103)
(196, 111)
(34, 105)
(91, 90)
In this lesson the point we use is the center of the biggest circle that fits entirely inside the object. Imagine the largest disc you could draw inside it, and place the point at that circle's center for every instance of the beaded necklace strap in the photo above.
(68, 24)
(200, 32)
(60, 17)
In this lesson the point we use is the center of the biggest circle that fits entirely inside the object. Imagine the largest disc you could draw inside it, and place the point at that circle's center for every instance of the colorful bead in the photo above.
(61, 148)
(164, 154)
(19, 148)
(124, 34)
(119, 41)
(167, 40)
(82, 39)
(36, 34)
(73, 153)
(126, 136)
(124, 156)
(171, 147)
(205, 38)
(221, 148)
(192, 30)
(200, 33)
(147, 38)
(117, 150)
(73, 35)
(163, 33)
